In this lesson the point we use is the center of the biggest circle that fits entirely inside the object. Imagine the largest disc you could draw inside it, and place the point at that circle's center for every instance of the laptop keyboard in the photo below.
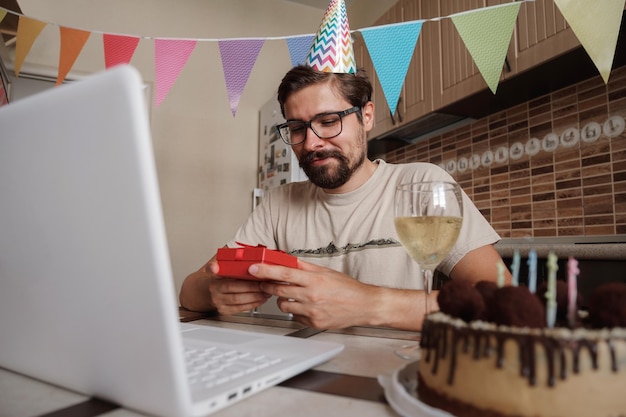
(208, 366)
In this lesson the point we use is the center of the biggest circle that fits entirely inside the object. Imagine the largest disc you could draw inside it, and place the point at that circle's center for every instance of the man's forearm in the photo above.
(404, 309)
(194, 293)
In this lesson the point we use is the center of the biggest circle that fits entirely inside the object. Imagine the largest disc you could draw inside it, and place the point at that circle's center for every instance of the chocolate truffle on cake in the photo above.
(607, 306)
(486, 289)
(461, 299)
(516, 306)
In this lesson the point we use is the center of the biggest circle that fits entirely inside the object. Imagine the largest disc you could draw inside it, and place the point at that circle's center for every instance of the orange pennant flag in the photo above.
(27, 32)
(72, 42)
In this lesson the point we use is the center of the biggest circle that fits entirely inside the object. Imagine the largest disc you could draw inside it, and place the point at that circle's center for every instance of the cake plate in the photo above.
(401, 392)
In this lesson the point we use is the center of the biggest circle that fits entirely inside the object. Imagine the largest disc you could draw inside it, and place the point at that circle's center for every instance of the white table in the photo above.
(346, 385)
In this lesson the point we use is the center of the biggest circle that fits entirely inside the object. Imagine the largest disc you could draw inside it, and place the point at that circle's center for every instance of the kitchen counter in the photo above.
(580, 247)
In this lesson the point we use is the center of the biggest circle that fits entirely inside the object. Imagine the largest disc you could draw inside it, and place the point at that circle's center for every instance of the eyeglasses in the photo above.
(325, 126)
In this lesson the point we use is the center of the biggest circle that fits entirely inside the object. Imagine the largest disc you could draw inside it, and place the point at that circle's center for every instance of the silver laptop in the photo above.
(87, 300)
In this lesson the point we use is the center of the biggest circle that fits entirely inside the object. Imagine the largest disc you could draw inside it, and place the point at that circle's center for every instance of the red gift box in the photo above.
(234, 262)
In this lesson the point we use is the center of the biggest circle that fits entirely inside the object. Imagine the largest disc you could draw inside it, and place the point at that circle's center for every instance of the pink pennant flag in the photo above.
(118, 49)
(72, 42)
(238, 58)
(170, 56)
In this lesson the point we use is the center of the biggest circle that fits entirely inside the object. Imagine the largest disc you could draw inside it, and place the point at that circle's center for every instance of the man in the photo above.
(351, 268)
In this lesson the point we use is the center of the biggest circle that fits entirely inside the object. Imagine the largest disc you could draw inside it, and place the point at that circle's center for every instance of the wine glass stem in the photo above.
(428, 286)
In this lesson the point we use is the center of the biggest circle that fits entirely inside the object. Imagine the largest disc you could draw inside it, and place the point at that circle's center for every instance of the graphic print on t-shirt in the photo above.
(333, 250)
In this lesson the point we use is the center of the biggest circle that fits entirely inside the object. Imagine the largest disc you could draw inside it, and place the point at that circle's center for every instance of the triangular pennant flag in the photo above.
(487, 34)
(3, 13)
(299, 48)
(596, 27)
(72, 42)
(392, 63)
(27, 32)
(238, 58)
(118, 49)
(170, 56)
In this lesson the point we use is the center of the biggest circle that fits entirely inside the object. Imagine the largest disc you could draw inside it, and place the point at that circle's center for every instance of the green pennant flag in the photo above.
(487, 34)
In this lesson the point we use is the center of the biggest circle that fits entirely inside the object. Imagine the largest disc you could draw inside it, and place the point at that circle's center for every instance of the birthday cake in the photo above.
(489, 353)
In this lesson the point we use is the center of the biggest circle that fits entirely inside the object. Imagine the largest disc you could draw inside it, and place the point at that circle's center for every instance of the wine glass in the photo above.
(428, 217)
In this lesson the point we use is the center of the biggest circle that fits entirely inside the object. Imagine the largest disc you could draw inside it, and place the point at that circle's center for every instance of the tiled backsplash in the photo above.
(553, 166)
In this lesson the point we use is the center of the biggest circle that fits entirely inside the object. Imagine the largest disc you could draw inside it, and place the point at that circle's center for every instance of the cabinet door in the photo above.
(383, 120)
(416, 96)
(541, 34)
(458, 75)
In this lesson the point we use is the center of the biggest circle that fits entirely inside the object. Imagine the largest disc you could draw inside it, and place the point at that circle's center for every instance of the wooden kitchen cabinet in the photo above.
(415, 96)
(455, 75)
(443, 72)
(383, 120)
(541, 34)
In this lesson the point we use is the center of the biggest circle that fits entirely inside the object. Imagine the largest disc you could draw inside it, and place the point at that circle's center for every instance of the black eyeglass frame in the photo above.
(308, 125)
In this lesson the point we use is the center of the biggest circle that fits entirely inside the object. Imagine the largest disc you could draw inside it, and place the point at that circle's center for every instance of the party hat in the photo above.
(332, 47)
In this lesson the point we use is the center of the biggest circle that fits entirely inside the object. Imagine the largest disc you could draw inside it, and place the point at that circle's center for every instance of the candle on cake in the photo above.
(501, 268)
(572, 290)
(551, 293)
(532, 271)
(515, 268)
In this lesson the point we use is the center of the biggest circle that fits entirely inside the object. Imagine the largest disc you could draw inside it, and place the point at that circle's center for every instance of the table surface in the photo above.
(345, 385)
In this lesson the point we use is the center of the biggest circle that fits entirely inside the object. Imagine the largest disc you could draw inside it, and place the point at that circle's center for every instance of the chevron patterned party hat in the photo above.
(332, 47)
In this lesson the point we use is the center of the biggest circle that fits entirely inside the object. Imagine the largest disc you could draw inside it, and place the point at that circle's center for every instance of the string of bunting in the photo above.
(486, 33)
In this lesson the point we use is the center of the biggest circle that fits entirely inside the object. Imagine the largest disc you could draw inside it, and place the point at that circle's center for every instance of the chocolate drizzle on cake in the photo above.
(488, 341)
(483, 330)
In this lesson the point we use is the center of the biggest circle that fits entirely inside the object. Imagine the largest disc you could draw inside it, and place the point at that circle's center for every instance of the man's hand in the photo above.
(319, 297)
(205, 290)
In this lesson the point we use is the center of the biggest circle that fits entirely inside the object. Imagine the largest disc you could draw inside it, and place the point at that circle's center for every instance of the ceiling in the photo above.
(8, 26)
(318, 4)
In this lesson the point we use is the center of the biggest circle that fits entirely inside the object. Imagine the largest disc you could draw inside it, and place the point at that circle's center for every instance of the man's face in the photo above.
(329, 163)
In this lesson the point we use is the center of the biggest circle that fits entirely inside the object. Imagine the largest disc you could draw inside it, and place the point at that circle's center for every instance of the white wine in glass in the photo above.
(428, 218)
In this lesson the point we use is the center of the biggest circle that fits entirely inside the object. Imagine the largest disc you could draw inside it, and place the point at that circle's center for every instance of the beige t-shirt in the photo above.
(354, 232)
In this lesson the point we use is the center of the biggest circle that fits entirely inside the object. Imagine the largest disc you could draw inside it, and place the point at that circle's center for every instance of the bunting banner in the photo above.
(238, 58)
(72, 42)
(118, 49)
(27, 32)
(487, 35)
(299, 48)
(392, 64)
(170, 56)
(596, 27)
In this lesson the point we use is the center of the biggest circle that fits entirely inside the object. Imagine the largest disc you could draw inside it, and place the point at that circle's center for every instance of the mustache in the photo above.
(309, 157)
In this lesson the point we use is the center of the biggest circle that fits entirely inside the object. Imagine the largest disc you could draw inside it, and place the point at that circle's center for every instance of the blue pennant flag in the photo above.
(391, 48)
(299, 48)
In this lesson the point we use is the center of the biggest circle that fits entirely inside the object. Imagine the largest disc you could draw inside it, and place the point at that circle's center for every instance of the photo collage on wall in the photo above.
(4, 85)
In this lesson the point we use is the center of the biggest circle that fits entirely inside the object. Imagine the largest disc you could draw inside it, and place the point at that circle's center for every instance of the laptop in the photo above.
(87, 299)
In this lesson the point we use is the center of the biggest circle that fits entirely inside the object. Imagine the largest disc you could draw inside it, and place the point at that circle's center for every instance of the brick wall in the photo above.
(553, 166)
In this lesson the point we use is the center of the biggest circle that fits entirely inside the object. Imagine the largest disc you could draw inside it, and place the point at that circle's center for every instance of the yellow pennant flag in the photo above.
(27, 32)
(596, 27)
(3, 13)
(72, 42)
(487, 33)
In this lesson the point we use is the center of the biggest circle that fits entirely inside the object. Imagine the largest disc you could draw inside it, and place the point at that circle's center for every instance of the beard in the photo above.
(330, 177)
